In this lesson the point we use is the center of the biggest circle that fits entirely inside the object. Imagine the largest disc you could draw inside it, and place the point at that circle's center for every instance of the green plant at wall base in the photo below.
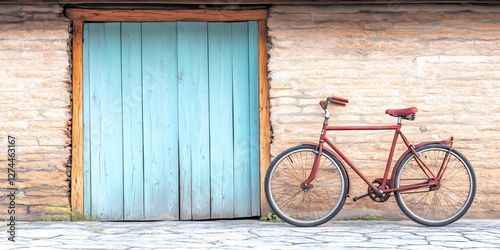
(55, 213)
(43, 217)
(271, 218)
(368, 216)
(72, 215)
(77, 216)
(55, 217)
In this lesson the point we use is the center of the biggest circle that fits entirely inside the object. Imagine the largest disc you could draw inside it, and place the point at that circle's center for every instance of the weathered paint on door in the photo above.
(171, 120)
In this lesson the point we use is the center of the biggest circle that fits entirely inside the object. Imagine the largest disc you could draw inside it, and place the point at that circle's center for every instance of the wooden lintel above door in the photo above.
(106, 15)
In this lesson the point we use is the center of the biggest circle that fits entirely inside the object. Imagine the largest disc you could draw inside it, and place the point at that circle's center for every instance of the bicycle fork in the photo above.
(307, 184)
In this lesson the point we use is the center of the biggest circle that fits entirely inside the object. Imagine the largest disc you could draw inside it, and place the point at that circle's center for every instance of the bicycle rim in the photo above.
(444, 205)
(309, 207)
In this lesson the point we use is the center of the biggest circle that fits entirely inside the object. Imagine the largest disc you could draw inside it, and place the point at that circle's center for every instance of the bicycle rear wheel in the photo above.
(305, 207)
(436, 206)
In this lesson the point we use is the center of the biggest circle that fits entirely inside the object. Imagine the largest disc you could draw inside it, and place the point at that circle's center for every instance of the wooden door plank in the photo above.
(194, 120)
(106, 122)
(241, 120)
(132, 121)
(86, 124)
(159, 59)
(221, 120)
(186, 99)
(253, 59)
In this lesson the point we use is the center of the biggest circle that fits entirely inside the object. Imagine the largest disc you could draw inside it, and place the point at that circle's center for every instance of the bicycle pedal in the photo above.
(359, 197)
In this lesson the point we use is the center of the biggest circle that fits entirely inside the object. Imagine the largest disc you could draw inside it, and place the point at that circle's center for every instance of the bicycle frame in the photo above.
(434, 179)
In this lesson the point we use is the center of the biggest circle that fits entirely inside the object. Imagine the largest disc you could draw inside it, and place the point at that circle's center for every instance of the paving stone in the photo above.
(462, 245)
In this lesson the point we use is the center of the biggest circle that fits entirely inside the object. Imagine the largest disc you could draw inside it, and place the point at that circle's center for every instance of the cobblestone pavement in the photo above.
(244, 234)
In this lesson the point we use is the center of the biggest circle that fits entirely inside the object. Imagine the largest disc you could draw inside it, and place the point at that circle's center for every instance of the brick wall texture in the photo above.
(35, 109)
(443, 59)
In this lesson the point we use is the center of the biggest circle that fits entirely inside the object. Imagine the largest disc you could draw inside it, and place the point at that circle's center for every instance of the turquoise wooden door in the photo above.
(171, 120)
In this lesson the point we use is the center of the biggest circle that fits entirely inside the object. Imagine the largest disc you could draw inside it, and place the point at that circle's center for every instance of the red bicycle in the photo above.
(308, 184)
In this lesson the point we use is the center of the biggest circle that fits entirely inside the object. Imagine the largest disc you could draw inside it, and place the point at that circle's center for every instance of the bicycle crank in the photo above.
(378, 196)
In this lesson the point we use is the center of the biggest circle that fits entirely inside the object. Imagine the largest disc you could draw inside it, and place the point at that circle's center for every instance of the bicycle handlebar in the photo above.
(334, 100)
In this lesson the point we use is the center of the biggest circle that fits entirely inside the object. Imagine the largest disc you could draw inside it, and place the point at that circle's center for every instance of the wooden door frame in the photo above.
(80, 16)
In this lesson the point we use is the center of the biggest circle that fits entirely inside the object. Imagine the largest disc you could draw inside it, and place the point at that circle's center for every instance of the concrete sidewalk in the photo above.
(244, 234)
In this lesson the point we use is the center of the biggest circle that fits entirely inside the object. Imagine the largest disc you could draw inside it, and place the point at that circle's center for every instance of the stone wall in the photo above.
(35, 109)
(443, 59)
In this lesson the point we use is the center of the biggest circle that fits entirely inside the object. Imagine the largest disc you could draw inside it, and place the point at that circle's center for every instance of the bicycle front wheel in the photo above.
(436, 206)
(305, 207)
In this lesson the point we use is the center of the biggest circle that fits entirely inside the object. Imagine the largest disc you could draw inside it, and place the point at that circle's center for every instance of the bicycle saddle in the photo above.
(407, 113)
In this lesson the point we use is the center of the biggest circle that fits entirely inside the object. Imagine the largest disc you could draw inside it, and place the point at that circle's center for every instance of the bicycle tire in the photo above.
(446, 204)
(311, 207)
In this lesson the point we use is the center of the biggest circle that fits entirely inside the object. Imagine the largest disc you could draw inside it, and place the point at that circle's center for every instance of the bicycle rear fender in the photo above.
(407, 152)
(340, 161)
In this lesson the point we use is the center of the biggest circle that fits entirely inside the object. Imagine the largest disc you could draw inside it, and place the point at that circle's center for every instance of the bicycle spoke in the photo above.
(289, 199)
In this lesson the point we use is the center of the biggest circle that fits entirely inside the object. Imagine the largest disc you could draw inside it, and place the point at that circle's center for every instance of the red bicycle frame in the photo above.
(433, 179)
